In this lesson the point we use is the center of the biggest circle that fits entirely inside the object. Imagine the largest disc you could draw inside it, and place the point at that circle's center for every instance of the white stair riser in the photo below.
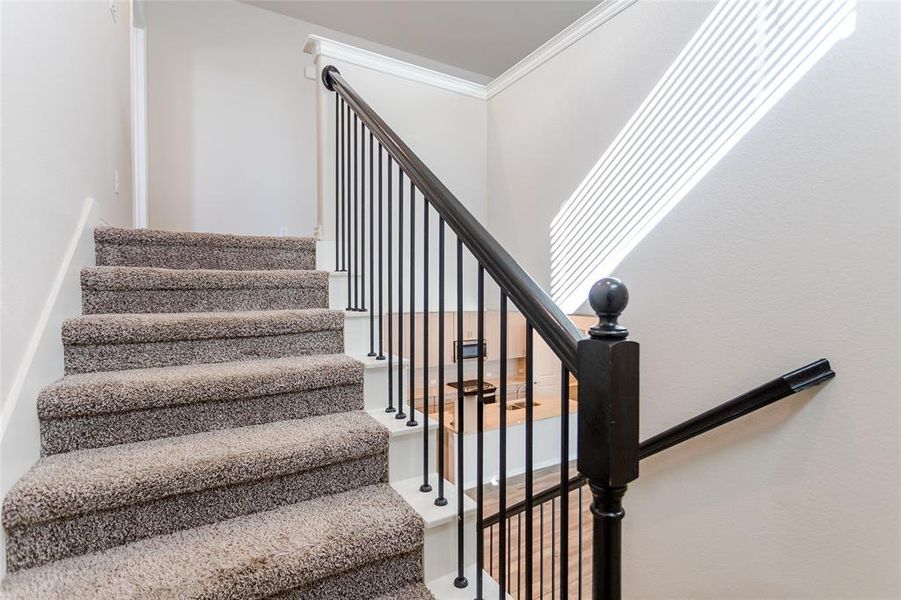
(375, 386)
(325, 255)
(440, 533)
(356, 334)
(405, 454)
(337, 290)
(440, 548)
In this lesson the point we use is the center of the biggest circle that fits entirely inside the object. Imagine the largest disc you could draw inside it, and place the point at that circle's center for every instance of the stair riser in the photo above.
(78, 433)
(34, 545)
(405, 454)
(440, 548)
(201, 300)
(356, 334)
(338, 293)
(113, 357)
(202, 257)
(375, 385)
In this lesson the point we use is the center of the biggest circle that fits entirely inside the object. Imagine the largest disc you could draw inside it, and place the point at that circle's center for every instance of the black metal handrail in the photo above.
(557, 330)
(789, 384)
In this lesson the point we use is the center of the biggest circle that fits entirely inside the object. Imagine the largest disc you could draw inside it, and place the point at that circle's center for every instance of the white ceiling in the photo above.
(485, 37)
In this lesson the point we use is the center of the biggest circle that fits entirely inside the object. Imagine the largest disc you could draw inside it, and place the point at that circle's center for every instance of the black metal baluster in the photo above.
(362, 247)
(337, 171)
(509, 576)
(426, 486)
(460, 581)
(519, 555)
(553, 544)
(579, 563)
(339, 224)
(491, 550)
(541, 548)
(400, 295)
(441, 500)
(502, 447)
(480, 425)
(347, 220)
(412, 358)
(371, 252)
(530, 376)
(390, 291)
(354, 240)
(381, 355)
(564, 483)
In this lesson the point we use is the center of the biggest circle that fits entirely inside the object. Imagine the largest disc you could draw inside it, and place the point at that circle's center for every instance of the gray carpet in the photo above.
(133, 341)
(116, 407)
(152, 290)
(180, 250)
(208, 439)
(254, 556)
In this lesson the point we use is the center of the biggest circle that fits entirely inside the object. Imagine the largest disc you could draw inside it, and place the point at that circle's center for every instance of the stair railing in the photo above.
(370, 222)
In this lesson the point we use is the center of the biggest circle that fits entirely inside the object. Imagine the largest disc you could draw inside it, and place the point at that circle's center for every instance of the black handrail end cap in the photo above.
(327, 77)
(810, 375)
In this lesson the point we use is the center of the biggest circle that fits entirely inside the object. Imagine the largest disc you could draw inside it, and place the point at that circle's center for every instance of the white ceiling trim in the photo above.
(587, 23)
(320, 46)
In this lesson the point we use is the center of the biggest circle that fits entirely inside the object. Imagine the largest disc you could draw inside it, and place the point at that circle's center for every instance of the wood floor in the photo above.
(546, 540)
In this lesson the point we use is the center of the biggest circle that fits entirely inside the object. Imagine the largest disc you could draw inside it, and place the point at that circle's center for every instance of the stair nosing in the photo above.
(381, 526)
(119, 328)
(125, 279)
(118, 236)
(119, 476)
(117, 392)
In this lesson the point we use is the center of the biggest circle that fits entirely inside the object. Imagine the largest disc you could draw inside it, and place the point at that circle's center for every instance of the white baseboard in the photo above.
(42, 362)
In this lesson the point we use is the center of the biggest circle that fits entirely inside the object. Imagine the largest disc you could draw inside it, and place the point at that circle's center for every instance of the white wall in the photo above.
(785, 252)
(65, 133)
(448, 131)
(233, 119)
(230, 120)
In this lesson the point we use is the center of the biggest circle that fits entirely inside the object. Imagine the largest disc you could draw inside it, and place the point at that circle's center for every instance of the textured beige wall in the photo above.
(785, 252)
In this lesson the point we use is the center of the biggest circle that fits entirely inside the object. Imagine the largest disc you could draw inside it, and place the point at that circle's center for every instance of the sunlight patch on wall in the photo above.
(741, 61)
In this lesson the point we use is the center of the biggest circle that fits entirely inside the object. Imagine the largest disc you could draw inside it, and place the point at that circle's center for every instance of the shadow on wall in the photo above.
(742, 60)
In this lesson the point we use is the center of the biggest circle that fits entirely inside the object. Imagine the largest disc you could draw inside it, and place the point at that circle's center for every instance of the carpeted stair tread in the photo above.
(115, 342)
(159, 327)
(253, 556)
(413, 591)
(84, 481)
(140, 389)
(155, 290)
(162, 237)
(190, 250)
(153, 278)
(391, 579)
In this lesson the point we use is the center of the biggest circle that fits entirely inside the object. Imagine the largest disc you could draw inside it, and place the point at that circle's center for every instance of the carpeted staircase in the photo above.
(208, 439)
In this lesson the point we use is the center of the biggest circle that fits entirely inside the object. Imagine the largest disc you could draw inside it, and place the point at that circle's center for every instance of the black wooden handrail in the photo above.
(552, 324)
(791, 383)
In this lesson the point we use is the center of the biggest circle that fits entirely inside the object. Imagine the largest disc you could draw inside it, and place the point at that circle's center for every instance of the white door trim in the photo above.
(139, 126)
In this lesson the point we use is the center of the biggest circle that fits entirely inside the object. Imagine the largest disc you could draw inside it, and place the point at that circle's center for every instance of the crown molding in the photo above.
(587, 23)
(319, 46)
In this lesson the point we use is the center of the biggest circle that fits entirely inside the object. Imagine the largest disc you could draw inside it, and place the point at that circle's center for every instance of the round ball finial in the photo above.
(608, 298)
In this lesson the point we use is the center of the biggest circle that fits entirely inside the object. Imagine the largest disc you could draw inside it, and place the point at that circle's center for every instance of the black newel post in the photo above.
(608, 428)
